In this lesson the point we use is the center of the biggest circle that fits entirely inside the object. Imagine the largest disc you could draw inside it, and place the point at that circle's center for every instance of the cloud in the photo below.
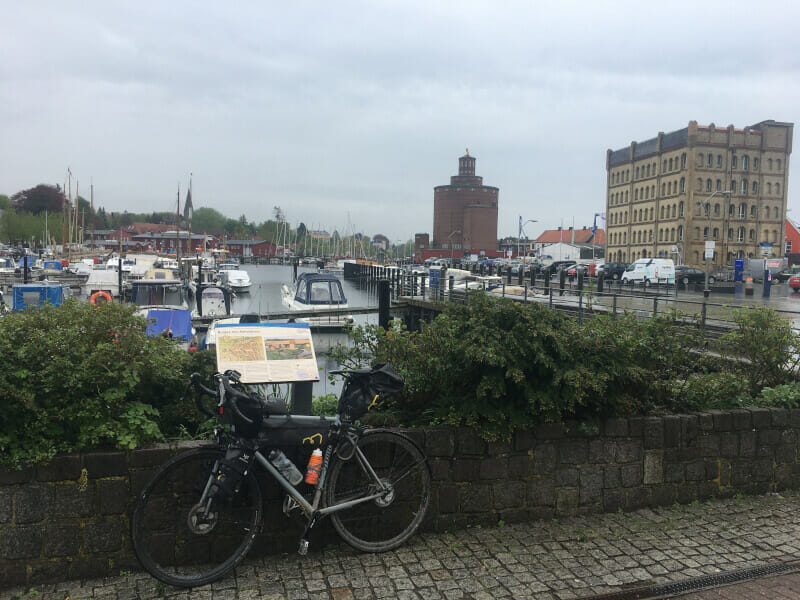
(362, 108)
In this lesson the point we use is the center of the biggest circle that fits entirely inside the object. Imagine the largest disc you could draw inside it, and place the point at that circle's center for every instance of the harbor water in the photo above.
(264, 298)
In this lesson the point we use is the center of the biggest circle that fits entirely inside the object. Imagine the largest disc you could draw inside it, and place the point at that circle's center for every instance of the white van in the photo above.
(650, 270)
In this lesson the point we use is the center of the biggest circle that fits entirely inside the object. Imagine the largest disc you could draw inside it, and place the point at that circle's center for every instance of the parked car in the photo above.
(612, 270)
(686, 274)
(786, 274)
(555, 267)
(794, 282)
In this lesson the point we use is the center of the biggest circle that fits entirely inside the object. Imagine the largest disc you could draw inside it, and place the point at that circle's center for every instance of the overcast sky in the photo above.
(354, 111)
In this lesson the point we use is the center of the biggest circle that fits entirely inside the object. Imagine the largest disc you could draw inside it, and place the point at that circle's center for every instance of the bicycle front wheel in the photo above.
(389, 520)
(183, 543)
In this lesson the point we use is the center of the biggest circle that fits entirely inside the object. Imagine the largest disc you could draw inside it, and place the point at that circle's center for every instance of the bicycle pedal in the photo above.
(303, 549)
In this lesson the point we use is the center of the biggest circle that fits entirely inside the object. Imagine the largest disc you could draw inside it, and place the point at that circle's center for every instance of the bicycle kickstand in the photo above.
(303, 549)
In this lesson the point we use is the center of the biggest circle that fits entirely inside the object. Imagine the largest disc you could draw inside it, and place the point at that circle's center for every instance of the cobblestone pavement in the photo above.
(776, 587)
(573, 558)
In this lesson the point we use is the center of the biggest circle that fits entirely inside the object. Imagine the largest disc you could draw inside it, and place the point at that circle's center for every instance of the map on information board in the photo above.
(267, 352)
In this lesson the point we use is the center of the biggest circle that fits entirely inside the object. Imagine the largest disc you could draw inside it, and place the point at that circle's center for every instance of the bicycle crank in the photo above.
(201, 521)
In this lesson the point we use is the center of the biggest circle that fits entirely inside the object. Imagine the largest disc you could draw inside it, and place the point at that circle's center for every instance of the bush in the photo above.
(707, 391)
(781, 396)
(79, 376)
(498, 365)
(766, 346)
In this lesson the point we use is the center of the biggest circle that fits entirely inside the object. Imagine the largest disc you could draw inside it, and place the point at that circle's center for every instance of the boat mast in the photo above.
(91, 211)
(178, 227)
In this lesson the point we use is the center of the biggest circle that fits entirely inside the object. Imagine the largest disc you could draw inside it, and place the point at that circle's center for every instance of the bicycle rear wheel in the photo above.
(388, 521)
(175, 540)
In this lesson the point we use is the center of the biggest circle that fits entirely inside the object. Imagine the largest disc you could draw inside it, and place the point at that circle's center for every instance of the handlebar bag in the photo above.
(251, 406)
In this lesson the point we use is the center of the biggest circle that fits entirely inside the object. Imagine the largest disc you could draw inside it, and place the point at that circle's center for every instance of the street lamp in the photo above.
(707, 204)
(521, 229)
(451, 245)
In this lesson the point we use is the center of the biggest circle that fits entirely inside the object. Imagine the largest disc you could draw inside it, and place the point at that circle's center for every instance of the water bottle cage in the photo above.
(348, 439)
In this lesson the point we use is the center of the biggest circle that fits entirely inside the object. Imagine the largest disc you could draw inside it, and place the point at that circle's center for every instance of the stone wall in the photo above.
(68, 519)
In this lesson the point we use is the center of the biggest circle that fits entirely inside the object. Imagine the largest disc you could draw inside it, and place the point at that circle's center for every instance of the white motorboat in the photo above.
(317, 292)
(212, 301)
(236, 279)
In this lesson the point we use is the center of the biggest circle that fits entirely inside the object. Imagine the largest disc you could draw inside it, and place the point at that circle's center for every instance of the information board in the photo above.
(267, 352)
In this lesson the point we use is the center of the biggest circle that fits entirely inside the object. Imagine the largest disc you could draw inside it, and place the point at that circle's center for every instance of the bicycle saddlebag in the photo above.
(363, 388)
(232, 471)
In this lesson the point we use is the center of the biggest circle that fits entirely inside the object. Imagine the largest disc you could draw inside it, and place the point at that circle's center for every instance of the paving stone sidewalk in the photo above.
(572, 558)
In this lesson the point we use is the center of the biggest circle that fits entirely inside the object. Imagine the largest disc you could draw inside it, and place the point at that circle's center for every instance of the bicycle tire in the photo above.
(385, 523)
(170, 545)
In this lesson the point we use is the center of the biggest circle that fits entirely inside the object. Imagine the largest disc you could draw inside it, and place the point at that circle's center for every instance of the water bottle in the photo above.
(286, 467)
(314, 467)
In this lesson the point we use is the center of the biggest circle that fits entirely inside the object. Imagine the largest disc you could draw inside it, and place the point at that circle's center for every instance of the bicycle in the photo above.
(198, 516)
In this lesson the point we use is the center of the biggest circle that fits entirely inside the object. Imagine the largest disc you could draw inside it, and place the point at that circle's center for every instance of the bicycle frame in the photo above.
(312, 509)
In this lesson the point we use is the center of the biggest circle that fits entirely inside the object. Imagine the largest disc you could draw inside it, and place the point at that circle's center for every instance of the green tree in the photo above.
(208, 219)
(5, 202)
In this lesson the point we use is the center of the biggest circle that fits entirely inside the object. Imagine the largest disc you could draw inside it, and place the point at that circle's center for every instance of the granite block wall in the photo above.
(69, 519)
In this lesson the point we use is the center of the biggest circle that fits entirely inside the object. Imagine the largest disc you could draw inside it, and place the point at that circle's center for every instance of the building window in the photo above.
(710, 160)
(769, 164)
(777, 189)
(680, 233)
(731, 210)
(670, 164)
(673, 211)
(755, 188)
(662, 211)
(733, 161)
(733, 185)
(683, 184)
(719, 185)
(745, 162)
(716, 232)
(753, 212)
(699, 184)
(788, 248)
(719, 161)
(663, 189)
(755, 164)
(752, 234)
(769, 188)
(716, 209)
(708, 185)
(680, 209)
(777, 213)
(637, 173)
(742, 210)
(648, 170)
(730, 234)
(683, 160)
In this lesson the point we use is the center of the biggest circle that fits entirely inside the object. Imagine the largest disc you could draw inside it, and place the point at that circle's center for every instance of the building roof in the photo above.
(139, 228)
(246, 242)
(582, 236)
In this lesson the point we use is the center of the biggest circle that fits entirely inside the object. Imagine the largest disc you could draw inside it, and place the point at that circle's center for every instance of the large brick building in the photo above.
(670, 194)
(465, 213)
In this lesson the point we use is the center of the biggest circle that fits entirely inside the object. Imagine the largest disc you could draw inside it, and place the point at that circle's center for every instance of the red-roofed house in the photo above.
(579, 237)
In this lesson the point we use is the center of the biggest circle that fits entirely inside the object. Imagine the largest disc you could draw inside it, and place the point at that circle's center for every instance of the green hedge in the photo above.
(78, 376)
(498, 365)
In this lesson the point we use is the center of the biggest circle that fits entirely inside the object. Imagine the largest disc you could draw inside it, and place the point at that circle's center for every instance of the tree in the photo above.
(38, 199)
(208, 219)
(5, 202)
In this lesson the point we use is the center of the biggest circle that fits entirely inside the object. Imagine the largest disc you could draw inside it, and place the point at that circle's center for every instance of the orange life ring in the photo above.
(103, 296)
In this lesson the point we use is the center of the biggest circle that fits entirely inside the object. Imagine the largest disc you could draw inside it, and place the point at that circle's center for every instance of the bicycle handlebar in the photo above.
(232, 393)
